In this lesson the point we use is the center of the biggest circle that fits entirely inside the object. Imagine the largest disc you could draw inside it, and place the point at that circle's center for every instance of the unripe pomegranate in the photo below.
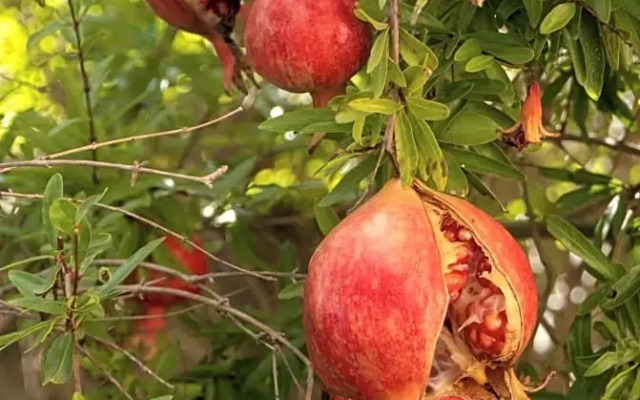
(413, 292)
(155, 305)
(312, 46)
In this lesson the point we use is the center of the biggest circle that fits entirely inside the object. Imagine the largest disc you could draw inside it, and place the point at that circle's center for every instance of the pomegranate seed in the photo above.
(464, 235)
(493, 322)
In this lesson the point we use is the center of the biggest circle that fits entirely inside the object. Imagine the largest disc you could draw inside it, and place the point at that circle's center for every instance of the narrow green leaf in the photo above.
(349, 182)
(478, 63)
(415, 52)
(635, 389)
(327, 127)
(13, 337)
(483, 165)
(405, 148)
(52, 192)
(25, 262)
(364, 16)
(577, 57)
(57, 360)
(395, 74)
(482, 188)
(626, 287)
(357, 130)
(577, 243)
(62, 215)
(293, 291)
(431, 162)
(426, 109)
(457, 183)
(594, 55)
(416, 78)
(326, 218)
(534, 11)
(467, 128)
(39, 304)
(469, 49)
(593, 300)
(602, 8)
(557, 18)
(28, 284)
(380, 75)
(380, 106)
(579, 342)
(296, 120)
(87, 204)
(119, 274)
(377, 50)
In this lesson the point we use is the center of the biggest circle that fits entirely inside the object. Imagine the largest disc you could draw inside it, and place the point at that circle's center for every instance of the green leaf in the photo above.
(577, 243)
(293, 291)
(58, 359)
(467, 128)
(52, 192)
(457, 183)
(469, 49)
(635, 389)
(626, 287)
(602, 8)
(534, 11)
(24, 262)
(28, 284)
(415, 52)
(594, 56)
(395, 74)
(380, 75)
(364, 16)
(426, 109)
(87, 204)
(558, 18)
(478, 63)
(121, 272)
(483, 165)
(579, 341)
(39, 304)
(417, 9)
(580, 176)
(406, 148)
(611, 360)
(326, 218)
(79, 396)
(165, 397)
(349, 182)
(13, 337)
(296, 120)
(577, 57)
(62, 215)
(380, 106)
(593, 300)
(357, 129)
(483, 189)
(416, 78)
(377, 50)
(431, 162)
(328, 127)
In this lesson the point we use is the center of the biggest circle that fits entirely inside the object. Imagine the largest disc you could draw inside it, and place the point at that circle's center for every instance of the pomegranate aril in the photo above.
(464, 235)
(494, 322)
(455, 281)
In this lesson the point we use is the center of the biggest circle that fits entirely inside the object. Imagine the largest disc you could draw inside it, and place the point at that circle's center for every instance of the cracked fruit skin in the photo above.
(383, 283)
(311, 46)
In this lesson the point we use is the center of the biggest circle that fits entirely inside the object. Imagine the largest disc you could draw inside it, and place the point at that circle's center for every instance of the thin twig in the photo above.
(621, 146)
(274, 372)
(146, 316)
(207, 180)
(225, 309)
(132, 358)
(154, 225)
(86, 85)
(288, 365)
(105, 372)
(196, 278)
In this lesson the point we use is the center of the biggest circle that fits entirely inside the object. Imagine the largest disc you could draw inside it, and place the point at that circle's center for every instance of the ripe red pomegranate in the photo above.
(155, 305)
(312, 46)
(413, 292)
(214, 20)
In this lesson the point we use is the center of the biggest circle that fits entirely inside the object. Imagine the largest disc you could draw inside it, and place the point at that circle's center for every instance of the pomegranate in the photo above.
(215, 20)
(312, 46)
(156, 305)
(414, 292)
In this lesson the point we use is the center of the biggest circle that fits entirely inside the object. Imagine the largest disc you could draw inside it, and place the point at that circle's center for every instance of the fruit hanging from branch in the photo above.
(215, 20)
(414, 292)
(156, 305)
(302, 46)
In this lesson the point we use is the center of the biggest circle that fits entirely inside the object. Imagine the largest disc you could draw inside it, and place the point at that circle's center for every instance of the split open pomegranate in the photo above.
(414, 293)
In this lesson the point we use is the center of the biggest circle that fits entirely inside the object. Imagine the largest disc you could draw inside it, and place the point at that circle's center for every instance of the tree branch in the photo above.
(86, 85)
(617, 146)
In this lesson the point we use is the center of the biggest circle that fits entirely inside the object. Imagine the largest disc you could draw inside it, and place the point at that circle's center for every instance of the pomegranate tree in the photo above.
(312, 46)
(414, 293)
